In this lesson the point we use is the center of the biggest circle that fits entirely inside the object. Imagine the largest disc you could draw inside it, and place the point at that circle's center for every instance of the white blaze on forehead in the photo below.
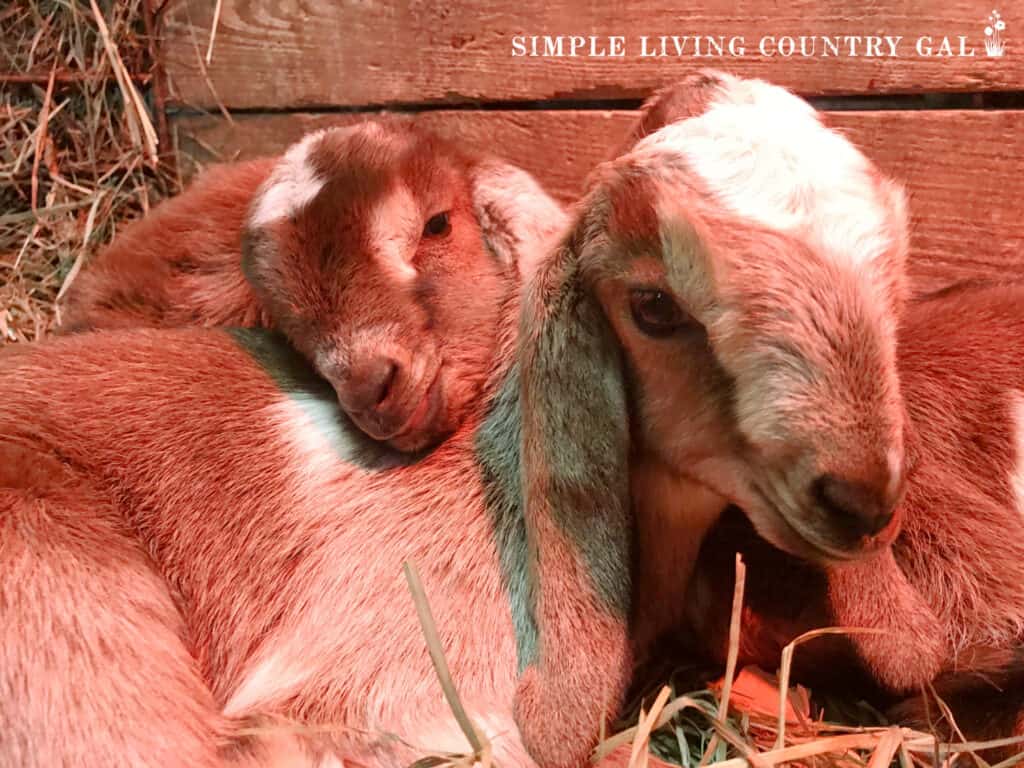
(1017, 430)
(766, 157)
(394, 229)
(292, 185)
(294, 182)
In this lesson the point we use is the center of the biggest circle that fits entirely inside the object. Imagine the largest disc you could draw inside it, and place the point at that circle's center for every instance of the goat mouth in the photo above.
(802, 541)
(424, 410)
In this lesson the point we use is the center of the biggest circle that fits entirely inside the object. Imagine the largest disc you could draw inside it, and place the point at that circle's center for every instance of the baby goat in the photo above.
(381, 251)
(201, 543)
(737, 275)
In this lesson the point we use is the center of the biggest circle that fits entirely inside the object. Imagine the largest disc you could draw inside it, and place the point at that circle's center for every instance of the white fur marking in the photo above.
(267, 681)
(292, 185)
(756, 135)
(319, 432)
(394, 230)
(895, 458)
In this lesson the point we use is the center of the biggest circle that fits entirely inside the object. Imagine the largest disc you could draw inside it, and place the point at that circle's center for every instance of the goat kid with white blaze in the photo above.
(948, 599)
(796, 372)
(739, 349)
(380, 250)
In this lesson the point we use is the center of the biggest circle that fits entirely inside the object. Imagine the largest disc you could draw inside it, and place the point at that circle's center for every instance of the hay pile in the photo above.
(78, 145)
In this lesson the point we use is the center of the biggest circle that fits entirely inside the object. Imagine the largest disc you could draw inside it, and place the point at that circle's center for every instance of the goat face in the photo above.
(365, 246)
(748, 262)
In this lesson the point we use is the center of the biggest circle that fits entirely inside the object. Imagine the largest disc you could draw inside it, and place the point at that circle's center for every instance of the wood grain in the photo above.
(303, 53)
(963, 169)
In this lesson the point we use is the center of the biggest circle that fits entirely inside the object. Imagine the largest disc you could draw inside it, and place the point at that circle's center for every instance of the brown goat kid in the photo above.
(948, 596)
(823, 362)
(375, 248)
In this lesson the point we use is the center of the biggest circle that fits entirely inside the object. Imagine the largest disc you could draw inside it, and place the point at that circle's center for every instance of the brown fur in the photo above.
(178, 266)
(279, 554)
(273, 551)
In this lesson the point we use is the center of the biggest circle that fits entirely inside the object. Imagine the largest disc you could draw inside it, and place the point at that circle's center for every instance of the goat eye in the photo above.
(656, 313)
(437, 226)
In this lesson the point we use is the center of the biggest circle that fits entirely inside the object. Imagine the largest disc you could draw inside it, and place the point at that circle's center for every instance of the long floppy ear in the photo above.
(689, 98)
(517, 217)
(575, 445)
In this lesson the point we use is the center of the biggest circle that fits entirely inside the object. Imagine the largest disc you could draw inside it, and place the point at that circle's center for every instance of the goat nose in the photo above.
(860, 508)
(370, 382)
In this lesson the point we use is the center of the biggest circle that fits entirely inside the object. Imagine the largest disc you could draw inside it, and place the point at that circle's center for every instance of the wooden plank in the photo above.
(962, 168)
(963, 171)
(304, 53)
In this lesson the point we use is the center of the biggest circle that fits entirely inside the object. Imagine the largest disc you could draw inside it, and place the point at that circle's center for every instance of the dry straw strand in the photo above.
(213, 32)
(477, 741)
(141, 127)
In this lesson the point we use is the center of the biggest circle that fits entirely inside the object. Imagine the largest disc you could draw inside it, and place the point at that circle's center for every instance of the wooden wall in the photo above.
(282, 67)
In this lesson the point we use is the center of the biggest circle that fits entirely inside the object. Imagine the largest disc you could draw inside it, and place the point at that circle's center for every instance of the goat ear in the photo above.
(575, 444)
(676, 102)
(263, 263)
(899, 237)
(293, 183)
(258, 250)
(517, 218)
